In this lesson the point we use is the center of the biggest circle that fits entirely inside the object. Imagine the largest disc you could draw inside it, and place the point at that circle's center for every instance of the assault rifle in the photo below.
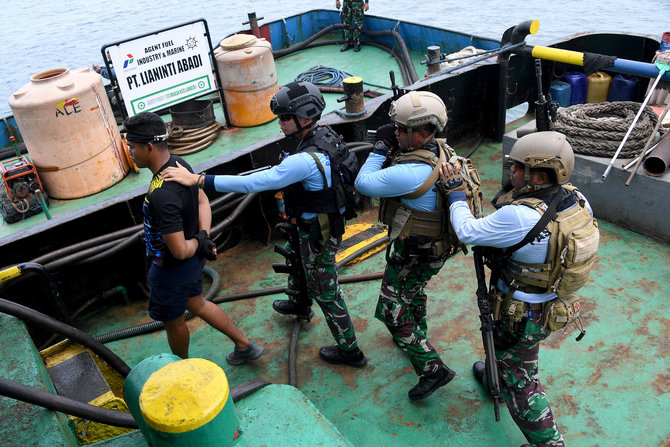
(297, 282)
(545, 111)
(492, 378)
(397, 91)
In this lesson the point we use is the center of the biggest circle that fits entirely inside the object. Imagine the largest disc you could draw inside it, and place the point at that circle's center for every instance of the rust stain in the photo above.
(661, 384)
(598, 345)
(649, 287)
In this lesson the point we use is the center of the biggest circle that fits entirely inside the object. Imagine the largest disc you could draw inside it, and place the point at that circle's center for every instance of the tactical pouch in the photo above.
(495, 304)
(560, 311)
(512, 309)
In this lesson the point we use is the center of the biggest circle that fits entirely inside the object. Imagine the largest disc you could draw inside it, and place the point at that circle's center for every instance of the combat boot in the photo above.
(428, 384)
(336, 356)
(288, 307)
(346, 46)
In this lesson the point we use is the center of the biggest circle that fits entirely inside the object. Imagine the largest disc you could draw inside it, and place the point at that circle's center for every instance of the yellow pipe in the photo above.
(7, 274)
(558, 55)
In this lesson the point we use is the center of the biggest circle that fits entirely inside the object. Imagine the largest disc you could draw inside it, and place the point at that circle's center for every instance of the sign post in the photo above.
(163, 68)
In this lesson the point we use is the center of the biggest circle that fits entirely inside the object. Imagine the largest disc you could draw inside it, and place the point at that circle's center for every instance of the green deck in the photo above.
(609, 389)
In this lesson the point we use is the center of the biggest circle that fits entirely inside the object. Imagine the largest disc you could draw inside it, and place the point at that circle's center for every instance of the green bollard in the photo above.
(185, 402)
(132, 387)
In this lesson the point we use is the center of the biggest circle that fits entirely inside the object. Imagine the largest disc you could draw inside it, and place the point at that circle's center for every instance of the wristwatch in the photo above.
(381, 148)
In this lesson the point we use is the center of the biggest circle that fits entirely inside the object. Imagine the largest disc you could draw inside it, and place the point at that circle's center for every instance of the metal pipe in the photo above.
(658, 160)
(644, 152)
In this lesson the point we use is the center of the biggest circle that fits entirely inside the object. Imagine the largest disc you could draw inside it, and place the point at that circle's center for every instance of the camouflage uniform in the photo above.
(322, 286)
(517, 349)
(402, 306)
(352, 18)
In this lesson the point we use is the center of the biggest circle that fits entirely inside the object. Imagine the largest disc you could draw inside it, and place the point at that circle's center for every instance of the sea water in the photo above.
(42, 34)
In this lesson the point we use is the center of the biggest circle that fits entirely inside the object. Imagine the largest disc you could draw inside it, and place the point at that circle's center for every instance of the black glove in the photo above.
(386, 134)
(206, 246)
(451, 184)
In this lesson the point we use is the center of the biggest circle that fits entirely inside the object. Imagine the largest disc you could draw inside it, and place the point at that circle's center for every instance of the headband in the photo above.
(144, 138)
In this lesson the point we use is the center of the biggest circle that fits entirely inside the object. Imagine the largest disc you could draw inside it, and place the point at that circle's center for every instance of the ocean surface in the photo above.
(38, 35)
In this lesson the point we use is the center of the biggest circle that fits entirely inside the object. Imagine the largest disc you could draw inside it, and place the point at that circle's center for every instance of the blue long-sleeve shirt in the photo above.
(299, 167)
(501, 229)
(396, 181)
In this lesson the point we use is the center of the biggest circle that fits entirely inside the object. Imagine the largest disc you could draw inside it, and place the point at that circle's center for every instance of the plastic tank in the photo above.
(623, 88)
(578, 85)
(560, 92)
(70, 132)
(248, 78)
(598, 87)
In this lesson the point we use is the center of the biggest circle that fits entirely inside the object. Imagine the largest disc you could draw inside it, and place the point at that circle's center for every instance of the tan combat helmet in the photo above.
(417, 109)
(545, 150)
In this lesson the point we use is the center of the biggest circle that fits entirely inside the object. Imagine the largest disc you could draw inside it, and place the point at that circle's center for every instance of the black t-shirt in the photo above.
(168, 208)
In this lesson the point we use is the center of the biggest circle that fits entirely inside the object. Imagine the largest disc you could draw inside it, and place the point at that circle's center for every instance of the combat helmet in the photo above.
(416, 109)
(549, 150)
(301, 99)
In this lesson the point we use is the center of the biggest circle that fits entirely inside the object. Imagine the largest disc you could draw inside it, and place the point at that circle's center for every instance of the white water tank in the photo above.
(70, 132)
(248, 78)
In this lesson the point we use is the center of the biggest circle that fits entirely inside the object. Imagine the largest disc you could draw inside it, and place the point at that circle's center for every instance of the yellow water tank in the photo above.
(70, 133)
(598, 87)
(248, 78)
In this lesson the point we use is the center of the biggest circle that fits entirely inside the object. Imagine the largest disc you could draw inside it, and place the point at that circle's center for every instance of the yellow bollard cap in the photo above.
(184, 395)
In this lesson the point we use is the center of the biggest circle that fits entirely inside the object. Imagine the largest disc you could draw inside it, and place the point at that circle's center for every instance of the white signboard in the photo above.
(162, 69)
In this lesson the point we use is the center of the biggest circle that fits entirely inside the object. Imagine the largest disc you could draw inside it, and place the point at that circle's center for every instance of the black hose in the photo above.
(53, 289)
(475, 146)
(234, 215)
(242, 390)
(46, 322)
(154, 326)
(10, 152)
(305, 43)
(85, 244)
(403, 49)
(410, 75)
(77, 256)
(115, 249)
(56, 402)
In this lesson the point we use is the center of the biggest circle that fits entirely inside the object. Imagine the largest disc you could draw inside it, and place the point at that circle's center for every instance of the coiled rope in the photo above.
(597, 129)
(323, 76)
(188, 141)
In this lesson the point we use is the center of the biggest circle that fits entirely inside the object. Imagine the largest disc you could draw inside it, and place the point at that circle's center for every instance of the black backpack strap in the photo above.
(548, 215)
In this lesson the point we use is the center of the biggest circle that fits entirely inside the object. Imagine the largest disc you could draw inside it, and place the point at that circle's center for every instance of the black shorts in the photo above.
(170, 288)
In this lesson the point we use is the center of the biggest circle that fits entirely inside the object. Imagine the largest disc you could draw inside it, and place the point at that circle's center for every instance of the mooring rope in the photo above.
(598, 128)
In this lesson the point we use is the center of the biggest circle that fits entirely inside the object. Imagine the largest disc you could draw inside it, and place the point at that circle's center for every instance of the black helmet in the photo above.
(301, 99)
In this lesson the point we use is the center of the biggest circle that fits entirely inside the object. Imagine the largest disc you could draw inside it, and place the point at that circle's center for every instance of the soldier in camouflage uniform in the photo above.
(541, 163)
(299, 106)
(352, 18)
(411, 207)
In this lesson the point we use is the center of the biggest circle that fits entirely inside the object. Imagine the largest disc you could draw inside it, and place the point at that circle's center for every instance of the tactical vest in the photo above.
(327, 202)
(572, 251)
(403, 220)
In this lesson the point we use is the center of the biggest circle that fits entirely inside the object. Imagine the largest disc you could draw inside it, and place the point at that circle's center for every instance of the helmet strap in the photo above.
(421, 144)
(300, 128)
